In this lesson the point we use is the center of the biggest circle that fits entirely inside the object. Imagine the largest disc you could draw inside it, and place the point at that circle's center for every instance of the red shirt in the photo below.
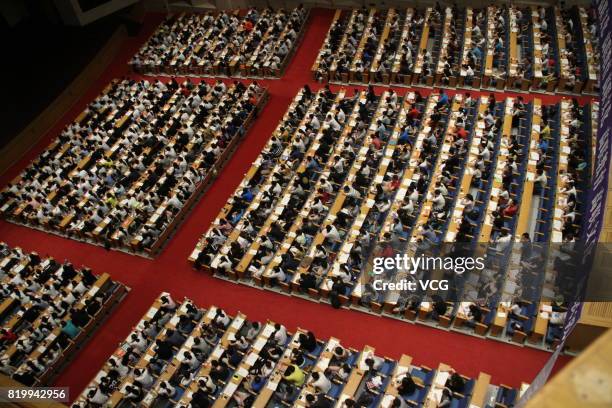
(8, 337)
(462, 133)
(414, 113)
(511, 210)
(376, 142)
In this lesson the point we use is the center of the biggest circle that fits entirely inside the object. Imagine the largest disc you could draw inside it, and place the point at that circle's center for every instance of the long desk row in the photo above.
(253, 43)
(403, 200)
(513, 48)
(48, 310)
(131, 166)
(219, 360)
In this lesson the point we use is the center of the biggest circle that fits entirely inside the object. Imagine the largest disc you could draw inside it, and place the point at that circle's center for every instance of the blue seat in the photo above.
(387, 367)
(335, 390)
(469, 386)
(417, 396)
(506, 396)
(459, 402)
(317, 350)
(420, 374)
(352, 359)
(553, 333)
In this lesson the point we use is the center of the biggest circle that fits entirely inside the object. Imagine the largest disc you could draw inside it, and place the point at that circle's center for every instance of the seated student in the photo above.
(446, 399)
(474, 315)
(144, 376)
(252, 387)
(407, 386)
(166, 390)
(97, 397)
(207, 384)
(200, 399)
(339, 372)
(308, 342)
(318, 401)
(294, 375)
(399, 402)
(320, 382)
(134, 392)
(219, 371)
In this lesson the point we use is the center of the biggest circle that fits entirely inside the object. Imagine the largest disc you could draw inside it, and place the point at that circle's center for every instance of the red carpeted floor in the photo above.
(508, 364)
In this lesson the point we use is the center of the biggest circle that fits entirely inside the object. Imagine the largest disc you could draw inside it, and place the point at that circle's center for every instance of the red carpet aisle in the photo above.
(170, 271)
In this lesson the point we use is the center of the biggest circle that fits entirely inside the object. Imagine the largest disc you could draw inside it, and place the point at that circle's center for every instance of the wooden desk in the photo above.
(479, 393)
(401, 369)
(357, 375)
(435, 391)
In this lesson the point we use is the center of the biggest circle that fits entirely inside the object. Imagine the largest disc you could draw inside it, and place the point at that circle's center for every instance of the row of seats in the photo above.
(439, 171)
(126, 171)
(233, 43)
(180, 355)
(497, 47)
(47, 310)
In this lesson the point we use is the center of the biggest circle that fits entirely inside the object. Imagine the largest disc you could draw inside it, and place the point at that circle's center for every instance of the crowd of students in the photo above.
(256, 43)
(46, 308)
(121, 173)
(183, 356)
(348, 178)
(547, 48)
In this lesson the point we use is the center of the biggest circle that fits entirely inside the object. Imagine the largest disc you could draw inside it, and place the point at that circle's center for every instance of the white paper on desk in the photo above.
(151, 312)
(251, 359)
(242, 372)
(230, 389)
(218, 352)
(174, 321)
(272, 385)
(441, 378)
(259, 343)
(268, 330)
(387, 401)
(237, 323)
(194, 254)
(188, 342)
(547, 308)
(435, 395)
